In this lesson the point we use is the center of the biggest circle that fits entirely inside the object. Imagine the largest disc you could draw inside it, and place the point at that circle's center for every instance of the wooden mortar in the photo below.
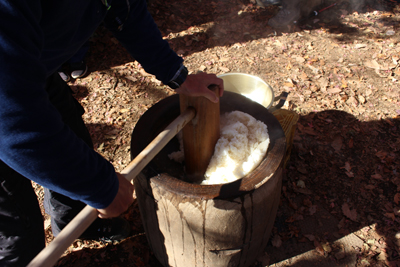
(223, 225)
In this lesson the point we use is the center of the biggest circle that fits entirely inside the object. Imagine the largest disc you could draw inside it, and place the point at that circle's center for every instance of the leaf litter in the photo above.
(342, 73)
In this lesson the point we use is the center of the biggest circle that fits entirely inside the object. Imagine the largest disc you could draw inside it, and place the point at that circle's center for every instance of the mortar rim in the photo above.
(262, 174)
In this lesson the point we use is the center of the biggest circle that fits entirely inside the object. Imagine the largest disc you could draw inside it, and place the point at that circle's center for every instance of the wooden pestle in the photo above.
(200, 135)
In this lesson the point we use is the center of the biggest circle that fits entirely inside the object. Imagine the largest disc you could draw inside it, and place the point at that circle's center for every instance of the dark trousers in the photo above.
(21, 223)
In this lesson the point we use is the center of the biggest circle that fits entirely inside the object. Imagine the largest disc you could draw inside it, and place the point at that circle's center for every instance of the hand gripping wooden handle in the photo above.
(49, 255)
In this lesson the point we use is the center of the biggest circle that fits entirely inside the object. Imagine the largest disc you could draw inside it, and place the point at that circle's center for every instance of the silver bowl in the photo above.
(249, 86)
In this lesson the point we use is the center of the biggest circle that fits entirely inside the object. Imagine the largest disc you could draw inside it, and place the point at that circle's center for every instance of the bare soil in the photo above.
(341, 70)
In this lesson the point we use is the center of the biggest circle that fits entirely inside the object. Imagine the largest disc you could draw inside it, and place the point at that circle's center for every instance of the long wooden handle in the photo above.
(49, 255)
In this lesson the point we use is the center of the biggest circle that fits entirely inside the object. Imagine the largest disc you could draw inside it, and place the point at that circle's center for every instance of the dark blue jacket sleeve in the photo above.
(142, 38)
(33, 139)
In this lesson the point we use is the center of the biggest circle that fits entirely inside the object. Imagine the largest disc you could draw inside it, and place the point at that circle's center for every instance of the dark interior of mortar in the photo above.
(158, 117)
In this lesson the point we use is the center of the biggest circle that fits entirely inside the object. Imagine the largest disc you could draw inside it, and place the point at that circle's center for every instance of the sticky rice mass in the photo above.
(241, 147)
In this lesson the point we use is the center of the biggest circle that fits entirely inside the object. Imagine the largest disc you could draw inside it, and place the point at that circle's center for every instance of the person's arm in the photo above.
(139, 34)
(34, 141)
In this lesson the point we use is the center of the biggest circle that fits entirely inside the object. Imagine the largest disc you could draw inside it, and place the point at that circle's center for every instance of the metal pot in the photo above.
(250, 86)
(254, 88)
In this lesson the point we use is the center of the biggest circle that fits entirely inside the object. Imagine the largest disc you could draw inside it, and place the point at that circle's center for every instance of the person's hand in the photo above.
(122, 200)
(197, 85)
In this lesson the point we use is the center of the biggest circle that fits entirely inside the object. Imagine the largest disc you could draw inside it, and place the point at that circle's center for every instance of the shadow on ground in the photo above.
(342, 178)
(228, 22)
(194, 26)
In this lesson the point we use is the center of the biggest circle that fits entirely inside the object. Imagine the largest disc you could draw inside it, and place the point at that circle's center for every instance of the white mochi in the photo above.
(241, 147)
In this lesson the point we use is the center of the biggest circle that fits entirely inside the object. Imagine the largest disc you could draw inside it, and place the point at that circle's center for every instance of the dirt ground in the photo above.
(341, 70)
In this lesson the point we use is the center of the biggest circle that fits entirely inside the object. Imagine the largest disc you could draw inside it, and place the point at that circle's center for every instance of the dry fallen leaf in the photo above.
(347, 166)
(327, 247)
(377, 176)
(390, 216)
(337, 143)
(357, 46)
(319, 248)
(304, 76)
(373, 64)
(224, 69)
(370, 187)
(382, 256)
(276, 241)
(323, 82)
(313, 209)
(361, 99)
(300, 59)
(397, 198)
(340, 255)
(288, 84)
(333, 90)
(381, 154)
(310, 237)
(351, 214)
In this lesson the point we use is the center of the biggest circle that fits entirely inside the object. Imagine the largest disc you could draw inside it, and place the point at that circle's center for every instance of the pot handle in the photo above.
(282, 99)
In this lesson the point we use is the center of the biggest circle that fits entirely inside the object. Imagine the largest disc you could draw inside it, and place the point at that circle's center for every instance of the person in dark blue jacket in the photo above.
(42, 135)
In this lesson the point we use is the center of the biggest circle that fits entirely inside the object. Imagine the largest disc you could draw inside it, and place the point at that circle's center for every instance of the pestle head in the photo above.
(200, 135)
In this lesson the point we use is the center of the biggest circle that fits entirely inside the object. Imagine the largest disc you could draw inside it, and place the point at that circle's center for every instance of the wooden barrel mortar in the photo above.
(207, 225)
